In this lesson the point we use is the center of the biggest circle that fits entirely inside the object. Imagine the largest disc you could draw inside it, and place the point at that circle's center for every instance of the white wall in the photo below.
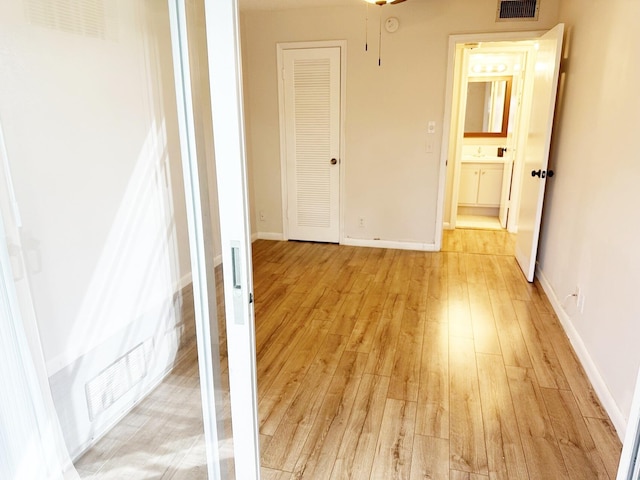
(91, 136)
(390, 178)
(591, 220)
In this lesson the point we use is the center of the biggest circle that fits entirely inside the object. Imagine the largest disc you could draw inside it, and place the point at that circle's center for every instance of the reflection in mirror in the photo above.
(488, 102)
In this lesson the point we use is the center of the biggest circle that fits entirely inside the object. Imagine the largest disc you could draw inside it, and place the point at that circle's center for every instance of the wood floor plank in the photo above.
(437, 308)
(400, 272)
(452, 241)
(458, 307)
(475, 271)
(607, 443)
(433, 396)
(305, 405)
(384, 266)
(384, 345)
(458, 475)
(405, 374)
(418, 293)
(362, 336)
(358, 447)
(539, 299)
(467, 448)
(270, 474)
(514, 279)
(543, 358)
(541, 450)
(292, 329)
(430, 459)
(578, 449)
(456, 267)
(504, 448)
(346, 317)
(574, 373)
(323, 442)
(276, 400)
(512, 344)
(395, 442)
(289, 438)
(361, 283)
(470, 242)
(485, 334)
(492, 273)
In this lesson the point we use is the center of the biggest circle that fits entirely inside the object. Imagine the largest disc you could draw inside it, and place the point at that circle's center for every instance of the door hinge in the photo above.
(250, 298)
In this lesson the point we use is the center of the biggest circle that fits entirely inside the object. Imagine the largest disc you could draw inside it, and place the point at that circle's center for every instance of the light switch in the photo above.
(431, 127)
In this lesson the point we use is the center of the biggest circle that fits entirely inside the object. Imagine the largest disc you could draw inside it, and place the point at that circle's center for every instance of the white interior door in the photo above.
(225, 82)
(225, 76)
(545, 86)
(311, 78)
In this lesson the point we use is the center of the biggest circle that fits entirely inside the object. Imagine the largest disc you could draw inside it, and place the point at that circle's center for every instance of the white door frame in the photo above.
(342, 44)
(225, 83)
(455, 40)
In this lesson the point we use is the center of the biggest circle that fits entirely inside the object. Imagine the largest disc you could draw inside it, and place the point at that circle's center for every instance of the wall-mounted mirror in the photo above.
(488, 103)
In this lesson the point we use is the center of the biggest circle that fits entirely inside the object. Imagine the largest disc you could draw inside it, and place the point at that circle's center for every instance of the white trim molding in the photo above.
(270, 236)
(599, 385)
(361, 242)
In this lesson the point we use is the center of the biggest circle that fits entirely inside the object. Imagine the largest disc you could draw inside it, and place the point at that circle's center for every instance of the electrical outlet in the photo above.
(361, 222)
(263, 217)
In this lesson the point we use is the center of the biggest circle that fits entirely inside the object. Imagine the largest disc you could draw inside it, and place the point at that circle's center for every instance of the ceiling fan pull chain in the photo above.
(380, 40)
(366, 30)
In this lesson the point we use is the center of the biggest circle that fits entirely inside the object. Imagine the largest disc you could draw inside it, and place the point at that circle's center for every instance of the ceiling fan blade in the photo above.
(397, 1)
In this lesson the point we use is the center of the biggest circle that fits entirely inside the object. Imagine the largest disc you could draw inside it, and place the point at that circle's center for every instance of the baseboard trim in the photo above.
(185, 281)
(587, 362)
(269, 236)
(359, 242)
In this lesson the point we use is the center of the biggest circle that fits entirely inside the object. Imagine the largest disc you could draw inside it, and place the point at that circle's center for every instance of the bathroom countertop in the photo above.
(484, 159)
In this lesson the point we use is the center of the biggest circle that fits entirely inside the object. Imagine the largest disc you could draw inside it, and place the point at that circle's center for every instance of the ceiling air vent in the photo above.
(517, 10)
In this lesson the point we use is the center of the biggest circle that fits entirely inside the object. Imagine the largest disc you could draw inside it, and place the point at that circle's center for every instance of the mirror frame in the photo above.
(505, 112)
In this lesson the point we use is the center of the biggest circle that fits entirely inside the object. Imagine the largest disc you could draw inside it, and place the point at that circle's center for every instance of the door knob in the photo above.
(541, 173)
(333, 161)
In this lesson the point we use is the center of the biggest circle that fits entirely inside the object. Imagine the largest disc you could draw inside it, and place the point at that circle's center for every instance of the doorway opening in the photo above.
(491, 102)
(486, 107)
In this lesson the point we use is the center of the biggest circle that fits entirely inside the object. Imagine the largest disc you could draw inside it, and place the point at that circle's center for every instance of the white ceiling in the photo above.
(282, 4)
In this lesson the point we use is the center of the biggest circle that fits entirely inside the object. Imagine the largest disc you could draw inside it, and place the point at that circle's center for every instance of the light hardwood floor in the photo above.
(389, 364)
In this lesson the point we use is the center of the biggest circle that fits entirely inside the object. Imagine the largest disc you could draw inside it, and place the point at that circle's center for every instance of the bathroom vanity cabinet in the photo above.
(481, 184)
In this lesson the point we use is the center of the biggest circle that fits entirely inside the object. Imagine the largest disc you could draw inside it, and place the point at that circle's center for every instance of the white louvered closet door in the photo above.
(312, 123)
